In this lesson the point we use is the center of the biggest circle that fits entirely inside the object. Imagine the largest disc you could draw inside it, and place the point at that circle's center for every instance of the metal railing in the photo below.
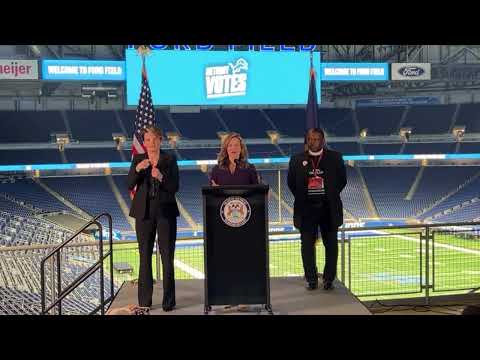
(373, 262)
(464, 243)
(408, 259)
(97, 266)
(383, 263)
(379, 262)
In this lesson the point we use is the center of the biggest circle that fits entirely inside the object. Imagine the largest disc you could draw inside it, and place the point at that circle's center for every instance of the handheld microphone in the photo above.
(154, 183)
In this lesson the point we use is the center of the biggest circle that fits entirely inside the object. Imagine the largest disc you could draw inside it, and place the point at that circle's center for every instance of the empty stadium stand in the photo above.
(30, 126)
(100, 197)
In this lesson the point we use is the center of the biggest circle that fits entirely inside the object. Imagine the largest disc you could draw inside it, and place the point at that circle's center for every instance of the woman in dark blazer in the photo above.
(233, 167)
(154, 177)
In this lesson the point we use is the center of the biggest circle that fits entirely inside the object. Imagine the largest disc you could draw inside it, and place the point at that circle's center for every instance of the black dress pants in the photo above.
(166, 228)
(318, 216)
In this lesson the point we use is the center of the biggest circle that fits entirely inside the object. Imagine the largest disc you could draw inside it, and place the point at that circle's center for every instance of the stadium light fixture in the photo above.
(274, 136)
(62, 139)
(204, 168)
(459, 132)
(173, 138)
(110, 95)
(405, 134)
(222, 135)
(364, 133)
(119, 140)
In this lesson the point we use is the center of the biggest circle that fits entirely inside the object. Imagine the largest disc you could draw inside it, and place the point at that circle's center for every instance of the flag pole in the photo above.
(311, 60)
(311, 74)
(144, 51)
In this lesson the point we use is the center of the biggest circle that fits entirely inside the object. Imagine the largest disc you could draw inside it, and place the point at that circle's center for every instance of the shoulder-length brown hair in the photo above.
(223, 160)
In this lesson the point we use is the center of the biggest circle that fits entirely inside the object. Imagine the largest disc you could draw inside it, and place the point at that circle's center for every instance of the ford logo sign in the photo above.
(411, 71)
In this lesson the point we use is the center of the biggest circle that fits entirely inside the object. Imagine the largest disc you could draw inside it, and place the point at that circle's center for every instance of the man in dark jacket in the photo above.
(316, 178)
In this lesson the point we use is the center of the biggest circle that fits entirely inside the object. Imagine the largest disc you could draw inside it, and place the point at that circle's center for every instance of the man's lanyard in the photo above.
(315, 166)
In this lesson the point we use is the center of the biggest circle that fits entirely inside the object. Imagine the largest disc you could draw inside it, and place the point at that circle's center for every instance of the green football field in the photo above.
(380, 265)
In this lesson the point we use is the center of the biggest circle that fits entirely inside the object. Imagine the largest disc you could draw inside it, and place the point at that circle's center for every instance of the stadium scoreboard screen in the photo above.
(202, 78)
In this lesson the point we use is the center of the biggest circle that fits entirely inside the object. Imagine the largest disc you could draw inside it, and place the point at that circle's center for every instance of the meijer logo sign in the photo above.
(18, 69)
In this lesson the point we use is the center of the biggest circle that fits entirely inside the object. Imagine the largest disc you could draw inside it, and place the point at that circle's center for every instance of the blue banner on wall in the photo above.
(355, 72)
(222, 77)
(83, 70)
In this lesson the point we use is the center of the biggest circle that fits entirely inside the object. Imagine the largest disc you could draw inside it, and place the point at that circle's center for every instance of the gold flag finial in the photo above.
(143, 50)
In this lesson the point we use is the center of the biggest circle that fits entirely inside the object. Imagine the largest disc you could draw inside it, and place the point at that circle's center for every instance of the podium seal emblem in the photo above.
(235, 211)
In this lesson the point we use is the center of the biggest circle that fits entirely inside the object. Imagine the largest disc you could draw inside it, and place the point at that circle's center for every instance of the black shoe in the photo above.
(328, 285)
(168, 305)
(168, 308)
(312, 286)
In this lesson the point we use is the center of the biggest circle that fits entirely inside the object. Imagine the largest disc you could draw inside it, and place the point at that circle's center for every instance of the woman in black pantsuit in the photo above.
(154, 175)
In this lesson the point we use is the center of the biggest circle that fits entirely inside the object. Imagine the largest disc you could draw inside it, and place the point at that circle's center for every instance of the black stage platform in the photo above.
(288, 297)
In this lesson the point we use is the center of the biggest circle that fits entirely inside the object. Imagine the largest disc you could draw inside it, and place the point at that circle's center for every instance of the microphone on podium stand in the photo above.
(260, 179)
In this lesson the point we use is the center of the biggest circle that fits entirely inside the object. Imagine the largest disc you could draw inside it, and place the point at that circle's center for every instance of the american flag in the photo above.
(145, 116)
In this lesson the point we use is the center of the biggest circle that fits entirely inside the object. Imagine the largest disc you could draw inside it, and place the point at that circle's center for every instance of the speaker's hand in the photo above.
(145, 164)
(157, 174)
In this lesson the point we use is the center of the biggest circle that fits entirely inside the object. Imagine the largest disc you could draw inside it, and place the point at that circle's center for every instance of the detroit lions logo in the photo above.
(235, 211)
(241, 65)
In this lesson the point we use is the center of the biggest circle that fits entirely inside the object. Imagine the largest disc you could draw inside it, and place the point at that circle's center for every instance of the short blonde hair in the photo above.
(156, 131)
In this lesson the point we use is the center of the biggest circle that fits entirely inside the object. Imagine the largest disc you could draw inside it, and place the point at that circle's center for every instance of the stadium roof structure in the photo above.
(457, 67)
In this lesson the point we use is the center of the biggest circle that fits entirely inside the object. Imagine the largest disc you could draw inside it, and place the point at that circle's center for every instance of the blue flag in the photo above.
(312, 105)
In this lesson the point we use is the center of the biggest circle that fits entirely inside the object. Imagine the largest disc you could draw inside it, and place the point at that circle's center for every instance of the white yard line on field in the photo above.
(444, 246)
(189, 270)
